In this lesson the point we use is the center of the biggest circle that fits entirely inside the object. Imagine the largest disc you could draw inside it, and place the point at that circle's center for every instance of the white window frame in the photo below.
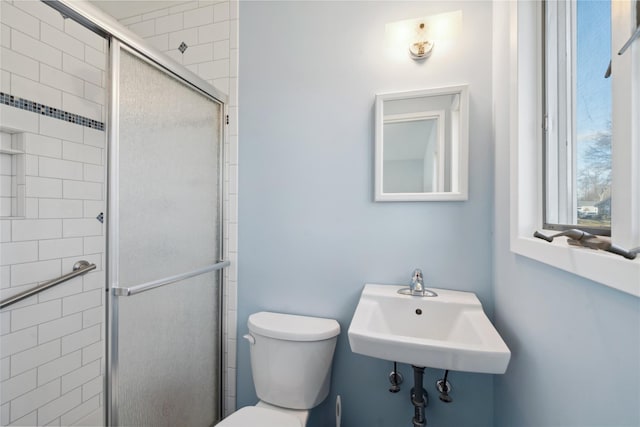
(560, 120)
(526, 168)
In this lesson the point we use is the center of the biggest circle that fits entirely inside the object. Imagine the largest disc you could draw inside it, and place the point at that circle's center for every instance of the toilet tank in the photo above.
(291, 358)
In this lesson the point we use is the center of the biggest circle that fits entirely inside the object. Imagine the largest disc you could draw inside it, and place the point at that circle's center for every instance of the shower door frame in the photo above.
(120, 38)
(113, 227)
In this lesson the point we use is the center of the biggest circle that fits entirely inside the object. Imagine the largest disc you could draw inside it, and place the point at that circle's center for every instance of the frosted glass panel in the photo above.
(168, 175)
(167, 365)
(166, 369)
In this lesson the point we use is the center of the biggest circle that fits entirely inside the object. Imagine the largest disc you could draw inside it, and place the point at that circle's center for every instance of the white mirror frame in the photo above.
(459, 153)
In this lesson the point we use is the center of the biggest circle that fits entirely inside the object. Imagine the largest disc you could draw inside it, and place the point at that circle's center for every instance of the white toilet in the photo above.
(291, 360)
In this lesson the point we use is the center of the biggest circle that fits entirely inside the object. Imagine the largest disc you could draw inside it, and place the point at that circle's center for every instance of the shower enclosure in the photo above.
(164, 246)
(165, 229)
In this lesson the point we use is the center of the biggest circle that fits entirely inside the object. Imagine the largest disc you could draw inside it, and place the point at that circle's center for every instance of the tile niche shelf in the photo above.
(12, 175)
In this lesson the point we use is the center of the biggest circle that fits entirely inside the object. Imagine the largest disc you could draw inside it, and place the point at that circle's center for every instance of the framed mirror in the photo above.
(422, 145)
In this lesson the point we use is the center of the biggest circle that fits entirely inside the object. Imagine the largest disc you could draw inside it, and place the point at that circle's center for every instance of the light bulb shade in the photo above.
(421, 50)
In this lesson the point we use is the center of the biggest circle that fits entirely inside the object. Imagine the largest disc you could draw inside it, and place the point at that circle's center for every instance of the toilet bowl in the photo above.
(291, 358)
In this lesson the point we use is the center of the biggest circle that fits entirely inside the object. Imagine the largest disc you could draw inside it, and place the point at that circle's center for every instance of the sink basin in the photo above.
(449, 331)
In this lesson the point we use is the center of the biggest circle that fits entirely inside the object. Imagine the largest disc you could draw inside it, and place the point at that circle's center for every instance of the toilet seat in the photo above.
(259, 417)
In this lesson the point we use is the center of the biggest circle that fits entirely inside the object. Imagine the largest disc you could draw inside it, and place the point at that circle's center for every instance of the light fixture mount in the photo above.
(421, 48)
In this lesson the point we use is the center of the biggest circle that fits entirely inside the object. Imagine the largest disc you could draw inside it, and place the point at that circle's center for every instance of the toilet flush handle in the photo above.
(249, 338)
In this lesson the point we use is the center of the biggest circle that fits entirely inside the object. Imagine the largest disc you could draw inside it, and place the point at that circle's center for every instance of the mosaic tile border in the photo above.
(25, 104)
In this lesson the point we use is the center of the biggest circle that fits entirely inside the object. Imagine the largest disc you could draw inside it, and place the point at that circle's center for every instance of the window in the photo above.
(518, 102)
(577, 115)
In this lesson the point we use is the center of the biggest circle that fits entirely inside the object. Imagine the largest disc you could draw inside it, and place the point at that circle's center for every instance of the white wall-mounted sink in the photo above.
(450, 331)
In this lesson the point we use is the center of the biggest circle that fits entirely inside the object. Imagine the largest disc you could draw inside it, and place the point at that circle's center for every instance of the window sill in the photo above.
(602, 267)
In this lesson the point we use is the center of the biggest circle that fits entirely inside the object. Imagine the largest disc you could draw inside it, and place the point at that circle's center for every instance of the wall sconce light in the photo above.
(420, 48)
(420, 34)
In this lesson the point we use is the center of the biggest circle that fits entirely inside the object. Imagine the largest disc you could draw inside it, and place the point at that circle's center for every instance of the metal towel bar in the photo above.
(79, 268)
(133, 290)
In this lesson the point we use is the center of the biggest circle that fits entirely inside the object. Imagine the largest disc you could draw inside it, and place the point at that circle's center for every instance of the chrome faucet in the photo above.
(417, 282)
(416, 287)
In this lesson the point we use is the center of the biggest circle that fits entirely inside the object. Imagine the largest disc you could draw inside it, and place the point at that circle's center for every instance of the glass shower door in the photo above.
(165, 234)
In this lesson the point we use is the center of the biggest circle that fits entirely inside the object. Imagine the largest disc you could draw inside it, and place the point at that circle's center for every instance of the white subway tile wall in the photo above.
(206, 27)
(209, 29)
(52, 345)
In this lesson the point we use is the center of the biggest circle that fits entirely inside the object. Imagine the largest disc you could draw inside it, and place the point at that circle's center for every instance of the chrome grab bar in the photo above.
(79, 268)
(133, 290)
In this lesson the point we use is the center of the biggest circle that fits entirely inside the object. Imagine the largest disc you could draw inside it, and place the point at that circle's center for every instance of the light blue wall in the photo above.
(575, 348)
(310, 235)
(575, 344)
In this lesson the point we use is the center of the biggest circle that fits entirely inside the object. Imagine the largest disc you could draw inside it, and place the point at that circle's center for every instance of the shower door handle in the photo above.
(133, 290)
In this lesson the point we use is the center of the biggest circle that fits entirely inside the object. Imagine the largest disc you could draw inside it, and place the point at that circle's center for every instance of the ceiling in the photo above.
(121, 9)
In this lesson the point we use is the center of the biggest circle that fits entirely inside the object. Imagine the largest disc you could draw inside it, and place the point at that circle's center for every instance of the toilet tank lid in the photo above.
(292, 327)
